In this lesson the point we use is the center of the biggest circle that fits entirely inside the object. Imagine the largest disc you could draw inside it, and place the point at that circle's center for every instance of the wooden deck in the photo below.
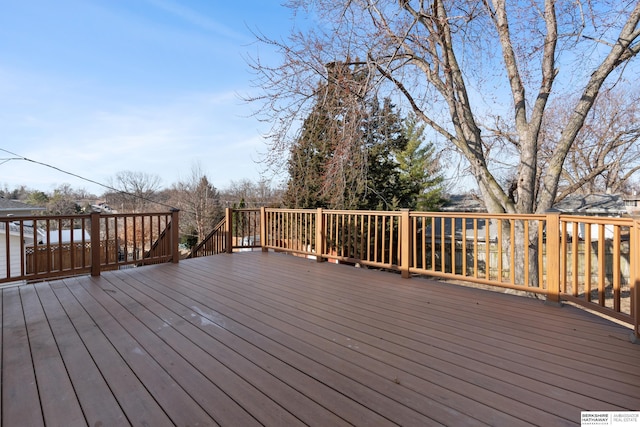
(268, 339)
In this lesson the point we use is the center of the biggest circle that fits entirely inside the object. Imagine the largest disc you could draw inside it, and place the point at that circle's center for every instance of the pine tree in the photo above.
(383, 139)
(358, 153)
(326, 161)
(307, 164)
(419, 169)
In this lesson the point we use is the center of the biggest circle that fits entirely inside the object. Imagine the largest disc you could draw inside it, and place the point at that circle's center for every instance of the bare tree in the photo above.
(606, 154)
(136, 191)
(452, 61)
(254, 194)
(199, 203)
(62, 201)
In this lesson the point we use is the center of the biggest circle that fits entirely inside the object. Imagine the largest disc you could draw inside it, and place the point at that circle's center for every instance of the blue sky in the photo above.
(100, 86)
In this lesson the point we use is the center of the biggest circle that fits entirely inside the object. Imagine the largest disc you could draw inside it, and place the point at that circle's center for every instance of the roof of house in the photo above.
(600, 204)
(463, 203)
(9, 206)
(17, 229)
(64, 236)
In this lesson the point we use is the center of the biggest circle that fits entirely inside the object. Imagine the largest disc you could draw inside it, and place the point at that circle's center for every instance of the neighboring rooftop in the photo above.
(10, 207)
(632, 202)
(463, 203)
(592, 204)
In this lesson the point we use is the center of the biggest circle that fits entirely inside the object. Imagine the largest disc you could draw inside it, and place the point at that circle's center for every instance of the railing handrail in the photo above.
(44, 256)
(456, 244)
(217, 229)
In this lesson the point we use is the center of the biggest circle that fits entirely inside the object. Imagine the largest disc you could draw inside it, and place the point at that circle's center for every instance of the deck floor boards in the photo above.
(19, 385)
(56, 393)
(269, 339)
(96, 399)
(421, 360)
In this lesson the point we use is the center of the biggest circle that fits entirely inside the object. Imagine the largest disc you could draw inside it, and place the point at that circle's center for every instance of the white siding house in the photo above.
(610, 205)
(15, 248)
(11, 233)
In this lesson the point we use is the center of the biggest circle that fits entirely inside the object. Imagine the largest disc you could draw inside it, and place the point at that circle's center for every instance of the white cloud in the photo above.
(197, 19)
(162, 139)
(155, 95)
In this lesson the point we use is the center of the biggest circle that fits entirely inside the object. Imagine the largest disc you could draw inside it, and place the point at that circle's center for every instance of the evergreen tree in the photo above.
(419, 170)
(384, 138)
(307, 164)
(358, 153)
(326, 161)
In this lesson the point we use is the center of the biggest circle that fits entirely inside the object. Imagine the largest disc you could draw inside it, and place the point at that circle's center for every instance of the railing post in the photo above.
(320, 233)
(95, 243)
(228, 214)
(405, 244)
(175, 235)
(553, 258)
(263, 229)
(634, 258)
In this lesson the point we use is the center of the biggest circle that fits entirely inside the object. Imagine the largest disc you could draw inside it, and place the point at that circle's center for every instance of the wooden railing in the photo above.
(238, 230)
(42, 247)
(290, 230)
(599, 264)
(214, 243)
(164, 247)
(590, 261)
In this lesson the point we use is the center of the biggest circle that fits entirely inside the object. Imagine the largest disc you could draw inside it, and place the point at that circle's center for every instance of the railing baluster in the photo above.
(500, 251)
(453, 245)
(601, 266)
(475, 248)
(22, 248)
(616, 268)
(634, 278)
(587, 262)
(443, 256)
(575, 260)
(541, 254)
(463, 271)
(513, 251)
(7, 243)
(487, 248)
(434, 242)
(526, 252)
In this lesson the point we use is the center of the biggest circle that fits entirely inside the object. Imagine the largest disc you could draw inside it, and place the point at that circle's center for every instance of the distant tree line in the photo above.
(201, 204)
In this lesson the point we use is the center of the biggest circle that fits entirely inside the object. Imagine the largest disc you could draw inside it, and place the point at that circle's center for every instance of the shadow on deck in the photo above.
(268, 339)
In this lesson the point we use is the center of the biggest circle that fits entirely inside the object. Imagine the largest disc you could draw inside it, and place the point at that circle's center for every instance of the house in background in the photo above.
(11, 233)
(607, 205)
(632, 202)
(10, 207)
(611, 205)
(467, 202)
(62, 237)
(58, 250)
(614, 205)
